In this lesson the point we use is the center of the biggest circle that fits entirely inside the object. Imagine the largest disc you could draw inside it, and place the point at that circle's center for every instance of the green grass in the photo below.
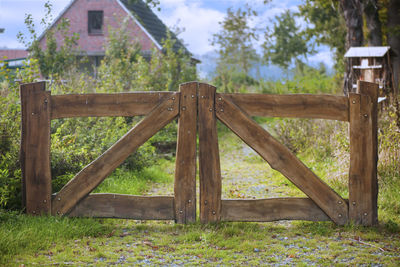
(135, 182)
(26, 234)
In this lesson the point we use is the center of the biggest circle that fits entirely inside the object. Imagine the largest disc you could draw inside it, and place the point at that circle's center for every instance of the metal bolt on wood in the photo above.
(340, 215)
(354, 203)
(365, 115)
(213, 212)
(340, 202)
(58, 199)
(45, 201)
(210, 109)
(183, 108)
(180, 211)
(353, 101)
(365, 214)
(189, 201)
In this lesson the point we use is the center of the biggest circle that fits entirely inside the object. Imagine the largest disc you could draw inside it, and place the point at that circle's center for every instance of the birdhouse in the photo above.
(371, 64)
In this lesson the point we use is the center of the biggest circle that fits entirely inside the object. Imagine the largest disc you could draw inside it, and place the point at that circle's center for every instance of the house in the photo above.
(92, 18)
(371, 64)
(13, 57)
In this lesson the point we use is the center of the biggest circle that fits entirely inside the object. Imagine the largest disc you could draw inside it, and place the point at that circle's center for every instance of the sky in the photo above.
(199, 19)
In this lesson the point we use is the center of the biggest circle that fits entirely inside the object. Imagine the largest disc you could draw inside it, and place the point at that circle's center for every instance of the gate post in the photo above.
(185, 163)
(363, 183)
(210, 170)
(35, 148)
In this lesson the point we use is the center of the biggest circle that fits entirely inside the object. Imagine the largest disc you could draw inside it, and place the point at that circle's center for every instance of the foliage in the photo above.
(326, 26)
(285, 42)
(235, 49)
(125, 68)
(306, 80)
(54, 59)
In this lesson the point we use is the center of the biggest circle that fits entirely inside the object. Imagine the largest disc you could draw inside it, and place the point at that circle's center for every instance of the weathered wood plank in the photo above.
(185, 163)
(296, 106)
(35, 148)
(105, 105)
(282, 159)
(363, 184)
(94, 173)
(273, 209)
(125, 207)
(209, 165)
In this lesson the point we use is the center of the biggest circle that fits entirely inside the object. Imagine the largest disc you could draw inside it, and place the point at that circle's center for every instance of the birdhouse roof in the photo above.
(371, 51)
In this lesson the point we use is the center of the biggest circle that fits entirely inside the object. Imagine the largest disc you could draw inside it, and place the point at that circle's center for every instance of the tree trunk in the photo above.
(351, 10)
(370, 8)
(394, 40)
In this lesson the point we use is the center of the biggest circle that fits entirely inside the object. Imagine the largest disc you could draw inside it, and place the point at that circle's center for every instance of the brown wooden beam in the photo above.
(209, 165)
(363, 183)
(125, 207)
(273, 209)
(294, 106)
(106, 105)
(185, 163)
(35, 148)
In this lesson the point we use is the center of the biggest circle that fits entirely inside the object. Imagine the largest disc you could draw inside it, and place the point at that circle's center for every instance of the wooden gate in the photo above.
(197, 107)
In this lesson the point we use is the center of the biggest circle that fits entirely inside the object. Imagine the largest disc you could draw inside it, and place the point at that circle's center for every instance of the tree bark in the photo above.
(352, 13)
(370, 9)
(394, 40)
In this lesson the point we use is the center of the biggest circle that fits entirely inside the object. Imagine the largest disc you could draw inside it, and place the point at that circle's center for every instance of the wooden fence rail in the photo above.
(197, 107)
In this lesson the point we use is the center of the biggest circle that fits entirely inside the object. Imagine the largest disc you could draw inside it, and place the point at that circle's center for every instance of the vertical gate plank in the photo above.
(35, 148)
(209, 165)
(185, 163)
(363, 184)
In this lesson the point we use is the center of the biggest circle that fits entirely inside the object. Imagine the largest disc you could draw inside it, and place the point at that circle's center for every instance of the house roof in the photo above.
(371, 51)
(153, 25)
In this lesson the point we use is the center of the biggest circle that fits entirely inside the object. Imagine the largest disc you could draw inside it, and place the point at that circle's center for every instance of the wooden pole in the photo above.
(209, 165)
(35, 148)
(185, 164)
(363, 183)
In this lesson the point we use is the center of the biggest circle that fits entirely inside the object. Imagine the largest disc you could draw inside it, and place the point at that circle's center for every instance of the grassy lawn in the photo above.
(70, 241)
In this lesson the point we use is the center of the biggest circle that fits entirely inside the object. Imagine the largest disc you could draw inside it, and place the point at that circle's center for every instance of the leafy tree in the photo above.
(53, 59)
(325, 26)
(285, 42)
(235, 47)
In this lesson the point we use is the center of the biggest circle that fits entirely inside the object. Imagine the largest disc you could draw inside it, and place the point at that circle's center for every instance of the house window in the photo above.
(95, 22)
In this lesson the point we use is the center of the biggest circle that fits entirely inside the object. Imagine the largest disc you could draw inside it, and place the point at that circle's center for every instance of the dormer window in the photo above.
(95, 22)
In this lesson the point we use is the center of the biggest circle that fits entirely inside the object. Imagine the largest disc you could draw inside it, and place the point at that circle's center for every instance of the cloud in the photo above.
(199, 22)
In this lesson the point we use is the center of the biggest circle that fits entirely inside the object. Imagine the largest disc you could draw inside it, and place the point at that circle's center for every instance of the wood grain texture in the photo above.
(103, 105)
(295, 106)
(94, 173)
(273, 209)
(185, 163)
(125, 207)
(209, 164)
(35, 148)
(363, 184)
(282, 159)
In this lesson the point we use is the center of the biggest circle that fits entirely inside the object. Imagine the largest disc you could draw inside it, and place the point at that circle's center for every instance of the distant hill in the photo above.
(206, 68)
